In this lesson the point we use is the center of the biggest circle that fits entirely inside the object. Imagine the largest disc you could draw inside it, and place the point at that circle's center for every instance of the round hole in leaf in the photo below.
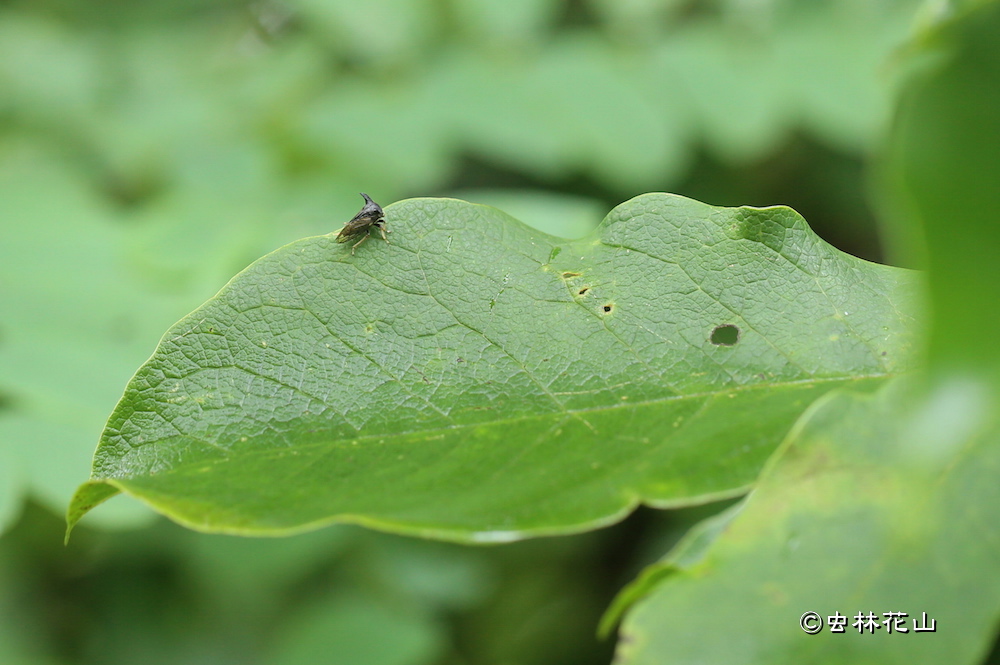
(725, 335)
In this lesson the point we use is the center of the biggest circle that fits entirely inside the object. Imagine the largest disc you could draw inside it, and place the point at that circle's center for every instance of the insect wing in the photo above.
(351, 229)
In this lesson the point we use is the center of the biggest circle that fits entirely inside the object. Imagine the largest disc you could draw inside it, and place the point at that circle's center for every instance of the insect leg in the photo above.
(382, 229)
(363, 238)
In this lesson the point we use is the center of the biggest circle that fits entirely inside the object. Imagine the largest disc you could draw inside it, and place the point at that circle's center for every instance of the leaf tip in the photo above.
(88, 496)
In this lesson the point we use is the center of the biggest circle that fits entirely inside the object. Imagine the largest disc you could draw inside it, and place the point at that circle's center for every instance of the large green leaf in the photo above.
(478, 380)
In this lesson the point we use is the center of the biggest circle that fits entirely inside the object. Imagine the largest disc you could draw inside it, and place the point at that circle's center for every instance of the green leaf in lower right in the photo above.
(877, 504)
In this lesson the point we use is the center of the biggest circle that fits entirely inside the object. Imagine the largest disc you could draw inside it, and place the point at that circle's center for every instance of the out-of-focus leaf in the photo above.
(837, 63)
(770, 69)
(10, 480)
(559, 215)
(479, 381)
(637, 18)
(491, 109)
(49, 75)
(441, 575)
(248, 576)
(579, 105)
(72, 320)
(596, 97)
(380, 133)
(374, 31)
(728, 77)
(945, 155)
(867, 510)
(506, 24)
(627, 111)
(358, 629)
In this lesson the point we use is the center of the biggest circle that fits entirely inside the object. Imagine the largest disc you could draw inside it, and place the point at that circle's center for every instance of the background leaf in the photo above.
(867, 509)
(477, 380)
(344, 629)
(945, 149)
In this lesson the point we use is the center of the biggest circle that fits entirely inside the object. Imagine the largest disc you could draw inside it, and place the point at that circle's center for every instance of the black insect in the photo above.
(371, 216)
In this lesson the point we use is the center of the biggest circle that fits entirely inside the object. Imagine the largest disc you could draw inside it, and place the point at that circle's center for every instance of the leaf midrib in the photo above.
(429, 433)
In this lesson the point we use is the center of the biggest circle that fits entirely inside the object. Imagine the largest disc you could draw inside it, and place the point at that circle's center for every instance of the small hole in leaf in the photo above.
(725, 335)
(607, 308)
(584, 290)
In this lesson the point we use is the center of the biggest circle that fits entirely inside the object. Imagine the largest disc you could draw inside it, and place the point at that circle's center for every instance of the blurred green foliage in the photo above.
(148, 151)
